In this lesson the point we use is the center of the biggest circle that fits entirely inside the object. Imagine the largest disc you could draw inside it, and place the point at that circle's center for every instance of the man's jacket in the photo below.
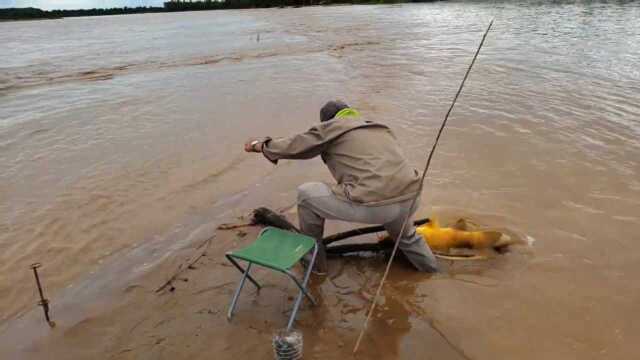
(363, 157)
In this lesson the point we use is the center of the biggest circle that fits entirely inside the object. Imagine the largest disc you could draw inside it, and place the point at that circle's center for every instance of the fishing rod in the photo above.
(415, 199)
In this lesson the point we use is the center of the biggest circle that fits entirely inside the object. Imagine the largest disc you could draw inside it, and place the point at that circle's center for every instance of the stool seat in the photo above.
(278, 250)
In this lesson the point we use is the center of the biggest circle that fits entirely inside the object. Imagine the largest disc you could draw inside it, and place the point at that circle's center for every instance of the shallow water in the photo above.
(116, 131)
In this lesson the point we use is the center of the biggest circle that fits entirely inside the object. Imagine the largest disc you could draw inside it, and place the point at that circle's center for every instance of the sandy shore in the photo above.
(142, 319)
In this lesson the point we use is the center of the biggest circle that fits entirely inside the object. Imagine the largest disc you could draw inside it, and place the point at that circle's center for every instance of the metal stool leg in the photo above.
(245, 275)
(303, 288)
(235, 263)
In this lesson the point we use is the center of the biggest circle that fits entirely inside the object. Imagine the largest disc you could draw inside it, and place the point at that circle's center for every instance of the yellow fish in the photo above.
(443, 239)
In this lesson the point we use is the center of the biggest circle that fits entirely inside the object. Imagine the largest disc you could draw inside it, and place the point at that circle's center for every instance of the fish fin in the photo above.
(461, 224)
(503, 241)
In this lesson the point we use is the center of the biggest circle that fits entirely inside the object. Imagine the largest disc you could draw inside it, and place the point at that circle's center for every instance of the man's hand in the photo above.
(253, 145)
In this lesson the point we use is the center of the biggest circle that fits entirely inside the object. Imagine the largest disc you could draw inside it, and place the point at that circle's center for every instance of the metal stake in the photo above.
(43, 302)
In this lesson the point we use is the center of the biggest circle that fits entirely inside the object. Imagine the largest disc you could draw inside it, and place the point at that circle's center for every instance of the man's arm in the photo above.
(302, 146)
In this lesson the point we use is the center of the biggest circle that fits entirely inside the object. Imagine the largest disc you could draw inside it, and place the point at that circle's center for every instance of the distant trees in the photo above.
(194, 5)
(112, 11)
(187, 5)
(24, 14)
(178, 5)
(33, 13)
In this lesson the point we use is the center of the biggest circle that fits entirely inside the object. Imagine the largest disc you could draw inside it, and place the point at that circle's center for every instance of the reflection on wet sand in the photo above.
(346, 295)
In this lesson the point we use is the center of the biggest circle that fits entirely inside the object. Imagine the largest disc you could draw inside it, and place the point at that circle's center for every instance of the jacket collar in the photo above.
(347, 112)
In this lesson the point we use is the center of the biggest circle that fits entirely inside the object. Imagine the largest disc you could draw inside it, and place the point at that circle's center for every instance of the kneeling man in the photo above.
(375, 183)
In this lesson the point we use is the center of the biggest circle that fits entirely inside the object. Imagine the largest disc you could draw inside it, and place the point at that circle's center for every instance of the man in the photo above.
(375, 183)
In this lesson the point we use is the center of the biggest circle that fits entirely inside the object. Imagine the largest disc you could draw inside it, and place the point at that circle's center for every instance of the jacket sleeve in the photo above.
(302, 146)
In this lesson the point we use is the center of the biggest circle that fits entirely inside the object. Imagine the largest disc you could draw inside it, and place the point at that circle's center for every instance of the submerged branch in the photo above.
(189, 265)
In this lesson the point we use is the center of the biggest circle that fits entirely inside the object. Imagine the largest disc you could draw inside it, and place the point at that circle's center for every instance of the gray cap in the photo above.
(330, 109)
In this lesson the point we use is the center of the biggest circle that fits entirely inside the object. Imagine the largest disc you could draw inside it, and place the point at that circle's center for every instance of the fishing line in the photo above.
(415, 199)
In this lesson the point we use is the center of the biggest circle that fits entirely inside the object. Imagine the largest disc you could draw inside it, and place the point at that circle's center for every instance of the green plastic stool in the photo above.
(278, 250)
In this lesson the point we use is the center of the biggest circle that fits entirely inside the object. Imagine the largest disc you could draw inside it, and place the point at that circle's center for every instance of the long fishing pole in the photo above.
(413, 203)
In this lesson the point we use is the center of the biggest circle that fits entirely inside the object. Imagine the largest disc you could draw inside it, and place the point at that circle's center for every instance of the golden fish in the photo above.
(443, 239)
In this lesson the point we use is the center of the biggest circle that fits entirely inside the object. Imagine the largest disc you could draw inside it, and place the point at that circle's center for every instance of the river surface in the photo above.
(115, 131)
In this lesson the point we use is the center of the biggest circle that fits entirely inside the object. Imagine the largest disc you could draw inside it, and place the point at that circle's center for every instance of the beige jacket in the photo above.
(363, 158)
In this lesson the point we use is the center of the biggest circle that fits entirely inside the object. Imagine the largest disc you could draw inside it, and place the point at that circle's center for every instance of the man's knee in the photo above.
(310, 190)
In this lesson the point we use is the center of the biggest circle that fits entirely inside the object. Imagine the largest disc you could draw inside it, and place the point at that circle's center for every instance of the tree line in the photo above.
(177, 5)
(35, 13)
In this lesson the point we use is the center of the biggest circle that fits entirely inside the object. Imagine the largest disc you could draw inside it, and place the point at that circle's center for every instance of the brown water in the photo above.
(117, 132)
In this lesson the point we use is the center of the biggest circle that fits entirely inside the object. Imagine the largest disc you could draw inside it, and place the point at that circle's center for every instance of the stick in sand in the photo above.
(424, 174)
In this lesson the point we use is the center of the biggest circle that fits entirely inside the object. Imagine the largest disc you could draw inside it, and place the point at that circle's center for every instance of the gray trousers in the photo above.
(316, 202)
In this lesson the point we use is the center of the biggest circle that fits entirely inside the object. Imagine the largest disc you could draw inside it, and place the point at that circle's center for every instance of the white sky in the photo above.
(78, 4)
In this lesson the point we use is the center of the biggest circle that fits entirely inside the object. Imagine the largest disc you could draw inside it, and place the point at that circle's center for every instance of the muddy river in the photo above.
(122, 131)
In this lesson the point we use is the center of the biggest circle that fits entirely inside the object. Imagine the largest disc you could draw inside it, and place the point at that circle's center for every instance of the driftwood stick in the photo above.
(362, 247)
(190, 263)
(361, 231)
(387, 245)
(267, 217)
(234, 226)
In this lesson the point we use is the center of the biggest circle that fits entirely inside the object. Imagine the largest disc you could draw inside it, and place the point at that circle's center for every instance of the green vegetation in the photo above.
(112, 11)
(178, 5)
(33, 13)
(185, 5)
(25, 14)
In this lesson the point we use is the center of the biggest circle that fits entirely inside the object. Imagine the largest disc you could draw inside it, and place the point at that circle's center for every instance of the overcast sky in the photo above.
(78, 4)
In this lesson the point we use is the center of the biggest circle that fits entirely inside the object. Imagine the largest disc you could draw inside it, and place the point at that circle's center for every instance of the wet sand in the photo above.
(147, 319)
(120, 152)
(473, 310)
